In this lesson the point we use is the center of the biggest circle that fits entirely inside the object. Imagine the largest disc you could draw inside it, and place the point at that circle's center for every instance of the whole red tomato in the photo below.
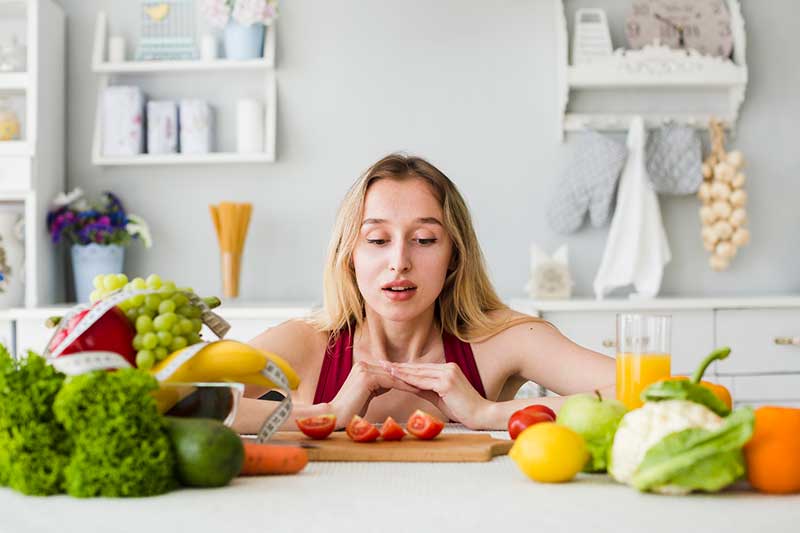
(539, 408)
(521, 420)
(317, 427)
(423, 425)
(361, 430)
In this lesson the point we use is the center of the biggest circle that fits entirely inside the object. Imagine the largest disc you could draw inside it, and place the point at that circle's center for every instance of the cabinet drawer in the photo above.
(760, 390)
(15, 173)
(692, 333)
(752, 336)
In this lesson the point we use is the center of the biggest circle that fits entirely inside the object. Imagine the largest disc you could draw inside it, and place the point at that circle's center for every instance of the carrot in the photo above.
(263, 459)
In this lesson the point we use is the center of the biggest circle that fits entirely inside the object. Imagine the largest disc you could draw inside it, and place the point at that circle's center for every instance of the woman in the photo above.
(410, 319)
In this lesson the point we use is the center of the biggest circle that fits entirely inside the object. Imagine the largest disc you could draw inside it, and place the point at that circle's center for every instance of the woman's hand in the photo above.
(446, 387)
(365, 382)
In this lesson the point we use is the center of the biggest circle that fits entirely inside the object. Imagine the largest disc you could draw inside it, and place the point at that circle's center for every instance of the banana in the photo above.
(224, 360)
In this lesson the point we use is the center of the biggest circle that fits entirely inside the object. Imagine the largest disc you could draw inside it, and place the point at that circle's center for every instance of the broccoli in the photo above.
(121, 447)
(34, 448)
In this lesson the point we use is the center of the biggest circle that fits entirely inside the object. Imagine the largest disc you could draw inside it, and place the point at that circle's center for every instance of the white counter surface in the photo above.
(406, 497)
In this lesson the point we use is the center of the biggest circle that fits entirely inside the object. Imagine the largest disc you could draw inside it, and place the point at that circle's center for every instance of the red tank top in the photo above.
(338, 362)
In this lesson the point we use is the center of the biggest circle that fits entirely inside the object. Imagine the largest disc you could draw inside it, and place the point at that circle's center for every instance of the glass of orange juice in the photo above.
(643, 354)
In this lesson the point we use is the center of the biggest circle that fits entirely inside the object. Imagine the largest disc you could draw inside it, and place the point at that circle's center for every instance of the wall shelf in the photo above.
(13, 81)
(651, 68)
(114, 72)
(185, 159)
(15, 148)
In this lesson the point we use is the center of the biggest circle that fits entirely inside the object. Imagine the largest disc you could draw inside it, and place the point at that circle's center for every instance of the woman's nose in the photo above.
(400, 260)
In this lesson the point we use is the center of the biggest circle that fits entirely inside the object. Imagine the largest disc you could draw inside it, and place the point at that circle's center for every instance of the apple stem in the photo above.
(599, 396)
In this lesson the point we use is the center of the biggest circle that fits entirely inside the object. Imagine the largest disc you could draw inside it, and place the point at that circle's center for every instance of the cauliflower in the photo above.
(642, 428)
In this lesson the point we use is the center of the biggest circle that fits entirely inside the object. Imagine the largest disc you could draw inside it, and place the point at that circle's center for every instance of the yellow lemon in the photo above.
(549, 452)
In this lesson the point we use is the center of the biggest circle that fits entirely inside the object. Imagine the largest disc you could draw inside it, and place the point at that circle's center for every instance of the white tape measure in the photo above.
(83, 362)
(216, 323)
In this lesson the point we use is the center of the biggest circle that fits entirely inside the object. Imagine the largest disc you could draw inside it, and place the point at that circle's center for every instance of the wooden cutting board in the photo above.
(446, 448)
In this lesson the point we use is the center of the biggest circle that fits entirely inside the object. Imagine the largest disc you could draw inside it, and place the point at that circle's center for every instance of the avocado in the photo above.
(208, 453)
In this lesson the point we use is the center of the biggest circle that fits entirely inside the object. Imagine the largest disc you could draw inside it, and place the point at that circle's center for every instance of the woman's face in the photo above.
(403, 251)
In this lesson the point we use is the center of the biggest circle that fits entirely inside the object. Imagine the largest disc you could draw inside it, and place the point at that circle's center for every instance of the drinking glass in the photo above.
(643, 354)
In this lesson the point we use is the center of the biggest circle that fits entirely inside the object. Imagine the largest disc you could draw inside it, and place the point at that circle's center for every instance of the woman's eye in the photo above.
(376, 241)
(425, 242)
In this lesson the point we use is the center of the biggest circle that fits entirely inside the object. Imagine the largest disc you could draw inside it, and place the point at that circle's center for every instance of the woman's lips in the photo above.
(400, 296)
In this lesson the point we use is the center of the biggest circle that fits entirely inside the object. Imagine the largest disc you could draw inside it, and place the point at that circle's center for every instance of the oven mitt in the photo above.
(674, 157)
(587, 182)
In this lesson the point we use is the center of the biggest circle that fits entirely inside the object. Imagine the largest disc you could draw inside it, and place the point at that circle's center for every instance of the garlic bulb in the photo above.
(718, 263)
(725, 249)
(720, 191)
(723, 172)
(738, 198)
(735, 159)
(723, 229)
(738, 217)
(721, 209)
(741, 237)
(704, 192)
(738, 181)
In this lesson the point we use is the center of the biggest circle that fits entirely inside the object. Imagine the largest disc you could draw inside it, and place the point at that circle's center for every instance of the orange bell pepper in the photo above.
(719, 391)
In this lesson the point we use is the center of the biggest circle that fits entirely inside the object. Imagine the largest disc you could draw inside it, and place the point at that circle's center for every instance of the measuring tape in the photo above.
(216, 323)
(82, 362)
(271, 371)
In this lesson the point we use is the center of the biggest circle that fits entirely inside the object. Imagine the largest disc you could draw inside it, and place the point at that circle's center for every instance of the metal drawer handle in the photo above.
(608, 343)
(787, 341)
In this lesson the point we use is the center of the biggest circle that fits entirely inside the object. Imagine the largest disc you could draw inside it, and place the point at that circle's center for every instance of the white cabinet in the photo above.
(31, 334)
(32, 168)
(692, 333)
(763, 333)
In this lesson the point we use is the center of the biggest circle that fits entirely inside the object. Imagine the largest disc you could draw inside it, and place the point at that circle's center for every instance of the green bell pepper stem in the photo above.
(719, 353)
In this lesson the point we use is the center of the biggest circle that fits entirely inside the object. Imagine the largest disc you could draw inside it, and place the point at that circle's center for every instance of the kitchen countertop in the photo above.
(400, 497)
(389, 497)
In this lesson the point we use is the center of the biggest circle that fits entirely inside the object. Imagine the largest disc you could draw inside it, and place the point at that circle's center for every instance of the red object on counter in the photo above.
(112, 332)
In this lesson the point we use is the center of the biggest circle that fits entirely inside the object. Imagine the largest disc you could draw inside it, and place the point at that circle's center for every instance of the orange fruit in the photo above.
(773, 453)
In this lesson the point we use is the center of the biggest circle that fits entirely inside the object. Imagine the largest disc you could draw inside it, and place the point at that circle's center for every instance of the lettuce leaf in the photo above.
(685, 390)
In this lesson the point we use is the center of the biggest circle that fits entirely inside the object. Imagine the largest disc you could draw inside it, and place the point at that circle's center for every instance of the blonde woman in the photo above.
(410, 319)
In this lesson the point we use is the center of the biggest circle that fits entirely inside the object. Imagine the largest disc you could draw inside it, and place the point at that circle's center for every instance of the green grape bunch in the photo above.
(165, 321)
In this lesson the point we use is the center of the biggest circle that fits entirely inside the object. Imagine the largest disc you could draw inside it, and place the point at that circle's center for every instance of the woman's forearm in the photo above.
(496, 414)
(252, 413)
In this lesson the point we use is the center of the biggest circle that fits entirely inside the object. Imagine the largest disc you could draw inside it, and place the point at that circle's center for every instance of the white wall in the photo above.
(468, 84)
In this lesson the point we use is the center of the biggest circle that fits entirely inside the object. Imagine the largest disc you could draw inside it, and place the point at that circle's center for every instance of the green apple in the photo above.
(596, 420)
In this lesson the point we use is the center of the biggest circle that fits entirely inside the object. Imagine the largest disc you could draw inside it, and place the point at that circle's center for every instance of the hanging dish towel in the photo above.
(637, 247)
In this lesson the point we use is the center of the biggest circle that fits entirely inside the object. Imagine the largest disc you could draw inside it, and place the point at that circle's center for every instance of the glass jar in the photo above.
(9, 122)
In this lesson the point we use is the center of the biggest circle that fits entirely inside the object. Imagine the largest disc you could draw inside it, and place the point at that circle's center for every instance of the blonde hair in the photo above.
(467, 296)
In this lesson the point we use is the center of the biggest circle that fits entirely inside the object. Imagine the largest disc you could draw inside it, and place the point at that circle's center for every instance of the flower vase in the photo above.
(244, 42)
(89, 260)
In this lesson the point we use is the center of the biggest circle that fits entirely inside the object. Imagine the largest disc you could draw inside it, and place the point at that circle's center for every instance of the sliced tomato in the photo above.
(538, 408)
(391, 430)
(361, 430)
(423, 425)
(523, 419)
(317, 427)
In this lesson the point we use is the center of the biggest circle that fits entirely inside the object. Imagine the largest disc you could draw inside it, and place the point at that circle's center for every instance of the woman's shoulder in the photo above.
(514, 327)
(296, 340)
